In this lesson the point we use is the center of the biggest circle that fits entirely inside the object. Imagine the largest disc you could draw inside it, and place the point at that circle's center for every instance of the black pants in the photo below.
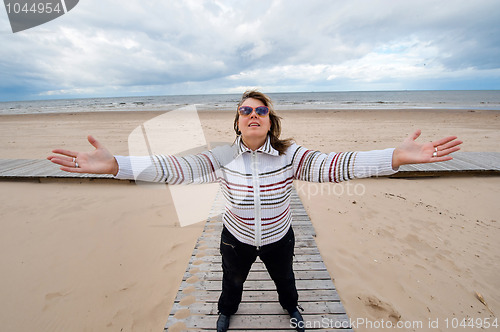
(238, 257)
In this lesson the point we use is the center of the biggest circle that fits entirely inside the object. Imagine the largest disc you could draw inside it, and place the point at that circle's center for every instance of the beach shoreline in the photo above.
(106, 256)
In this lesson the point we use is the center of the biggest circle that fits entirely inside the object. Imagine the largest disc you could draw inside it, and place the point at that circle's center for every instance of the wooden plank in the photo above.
(488, 160)
(263, 322)
(38, 168)
(463, 163)
(259, 266)
(261, 275)
(302, 244)
(297, 259)
(11, 164)
(302, 285)
(215, 251)
(270, 308)
(260, 295)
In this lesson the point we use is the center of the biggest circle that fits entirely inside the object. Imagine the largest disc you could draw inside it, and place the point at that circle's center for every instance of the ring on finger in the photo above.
(435, 153)
(76, 165)
(74, 159)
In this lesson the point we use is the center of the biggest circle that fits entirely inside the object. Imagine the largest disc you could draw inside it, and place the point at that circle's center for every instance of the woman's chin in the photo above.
(255, 134)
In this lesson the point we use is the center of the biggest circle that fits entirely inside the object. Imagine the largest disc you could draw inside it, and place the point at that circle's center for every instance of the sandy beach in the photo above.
(109, 256)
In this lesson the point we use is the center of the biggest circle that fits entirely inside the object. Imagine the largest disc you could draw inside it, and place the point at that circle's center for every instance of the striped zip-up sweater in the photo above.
(256, 184)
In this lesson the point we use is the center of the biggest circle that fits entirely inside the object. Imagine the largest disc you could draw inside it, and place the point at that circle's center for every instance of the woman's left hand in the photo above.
(411, 152)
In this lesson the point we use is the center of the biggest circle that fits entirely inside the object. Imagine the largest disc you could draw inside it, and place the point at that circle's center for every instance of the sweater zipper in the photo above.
(256, 199)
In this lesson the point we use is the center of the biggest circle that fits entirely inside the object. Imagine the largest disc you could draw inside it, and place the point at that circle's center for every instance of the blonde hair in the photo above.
(281, 145)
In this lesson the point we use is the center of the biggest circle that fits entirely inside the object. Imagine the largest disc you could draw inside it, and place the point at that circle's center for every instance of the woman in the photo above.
(256, 175)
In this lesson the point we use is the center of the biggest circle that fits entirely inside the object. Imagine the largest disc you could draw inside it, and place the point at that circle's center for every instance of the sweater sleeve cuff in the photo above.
(135, 168)
(125, 171)
(374, 163)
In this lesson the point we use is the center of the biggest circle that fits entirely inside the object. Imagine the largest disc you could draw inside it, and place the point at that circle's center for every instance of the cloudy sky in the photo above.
(158, 47)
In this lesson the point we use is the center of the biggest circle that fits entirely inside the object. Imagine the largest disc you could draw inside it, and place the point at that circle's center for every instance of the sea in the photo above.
(407, 100)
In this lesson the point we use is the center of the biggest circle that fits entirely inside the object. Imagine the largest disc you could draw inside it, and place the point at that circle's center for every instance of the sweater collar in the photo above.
(266, 148)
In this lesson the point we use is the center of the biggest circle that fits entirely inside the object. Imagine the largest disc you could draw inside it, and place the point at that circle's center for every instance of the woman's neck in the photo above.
(253, 143)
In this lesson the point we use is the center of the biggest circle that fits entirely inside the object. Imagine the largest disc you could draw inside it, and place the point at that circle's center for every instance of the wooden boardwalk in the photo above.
(464, 163)
(31, 169)
(195, 307)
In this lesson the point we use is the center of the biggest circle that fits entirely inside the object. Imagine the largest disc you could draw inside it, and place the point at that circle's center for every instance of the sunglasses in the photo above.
(247, 110)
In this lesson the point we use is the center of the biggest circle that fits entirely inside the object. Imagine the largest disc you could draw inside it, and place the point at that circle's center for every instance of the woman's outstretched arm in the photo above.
(171, 169)
(315, 166)
(98, 161)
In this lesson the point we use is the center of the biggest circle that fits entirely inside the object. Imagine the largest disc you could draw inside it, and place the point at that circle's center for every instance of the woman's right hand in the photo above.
(99, 161)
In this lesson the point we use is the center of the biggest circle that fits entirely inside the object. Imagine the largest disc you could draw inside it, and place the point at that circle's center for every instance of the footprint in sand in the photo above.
(187, 300)
(51, 297)
(192, 280)
(188, 290)
(177, 327)
(182, 313)
(380, 309)
(167, 265)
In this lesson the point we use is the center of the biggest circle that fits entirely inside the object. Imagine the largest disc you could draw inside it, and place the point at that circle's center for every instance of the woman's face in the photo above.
(254, 126)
